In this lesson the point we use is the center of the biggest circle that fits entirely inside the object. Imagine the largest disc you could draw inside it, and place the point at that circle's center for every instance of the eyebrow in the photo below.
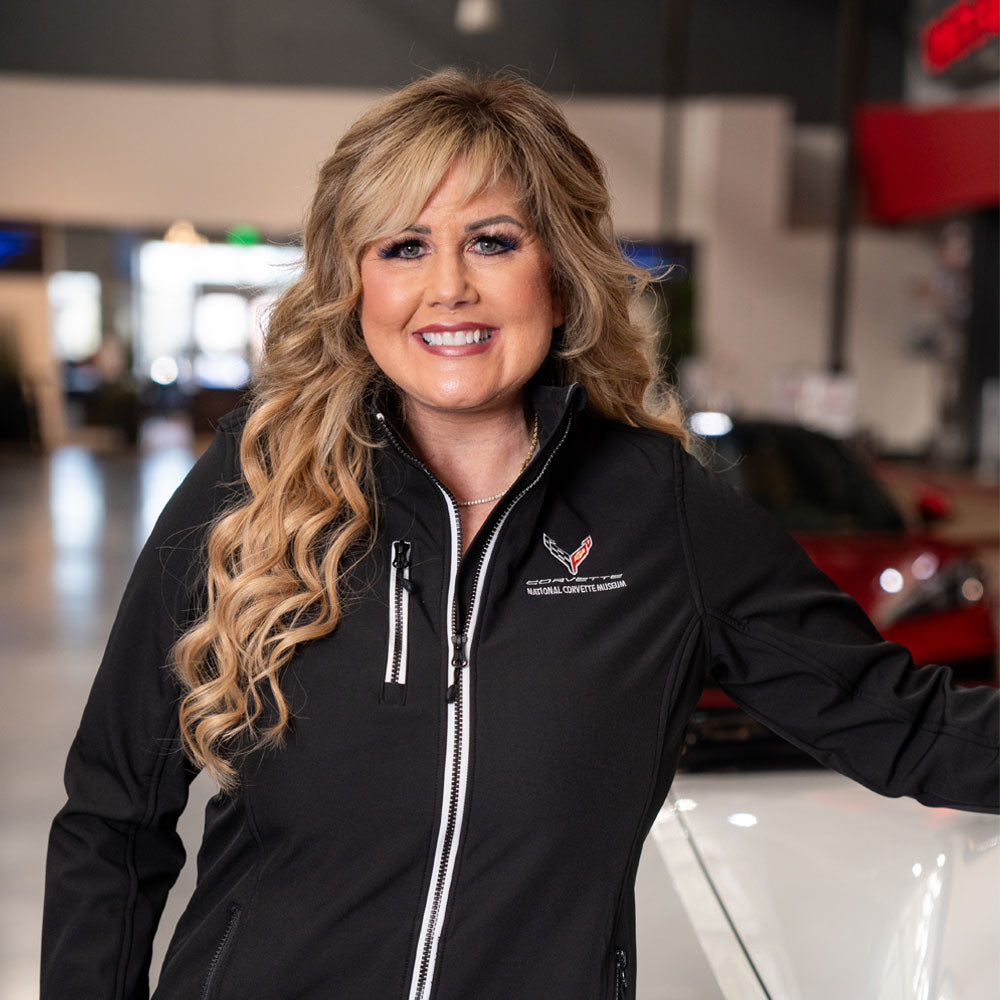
(492, 221)
(472, 226)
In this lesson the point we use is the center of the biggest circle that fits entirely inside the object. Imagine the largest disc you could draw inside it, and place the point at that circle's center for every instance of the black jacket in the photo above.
(481, 746)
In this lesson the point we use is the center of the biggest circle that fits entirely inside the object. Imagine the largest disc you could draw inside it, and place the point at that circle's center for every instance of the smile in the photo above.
(458, 338)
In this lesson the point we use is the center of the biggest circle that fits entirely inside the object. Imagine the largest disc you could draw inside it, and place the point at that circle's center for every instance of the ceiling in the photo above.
(588, 46)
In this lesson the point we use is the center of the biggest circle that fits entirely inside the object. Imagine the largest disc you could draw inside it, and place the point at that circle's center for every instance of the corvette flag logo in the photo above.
(562, 586)
(571, 560)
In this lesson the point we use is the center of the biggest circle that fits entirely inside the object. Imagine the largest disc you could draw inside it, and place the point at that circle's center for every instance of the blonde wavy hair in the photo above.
(275, 561)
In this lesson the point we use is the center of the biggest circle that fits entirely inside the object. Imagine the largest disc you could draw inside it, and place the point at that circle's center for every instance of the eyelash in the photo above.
(504, 241)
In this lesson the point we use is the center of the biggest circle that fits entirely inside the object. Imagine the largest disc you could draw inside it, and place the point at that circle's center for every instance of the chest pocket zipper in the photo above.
(394, 682)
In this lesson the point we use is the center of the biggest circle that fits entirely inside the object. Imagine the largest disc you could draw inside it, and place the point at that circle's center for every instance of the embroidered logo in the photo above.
(557, 586)
(571, 560)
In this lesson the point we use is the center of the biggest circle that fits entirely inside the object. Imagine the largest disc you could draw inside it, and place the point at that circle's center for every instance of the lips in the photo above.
(456, 338)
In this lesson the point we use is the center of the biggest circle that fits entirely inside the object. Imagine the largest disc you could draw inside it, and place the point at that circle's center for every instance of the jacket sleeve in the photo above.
(799, 655)
(113, 849)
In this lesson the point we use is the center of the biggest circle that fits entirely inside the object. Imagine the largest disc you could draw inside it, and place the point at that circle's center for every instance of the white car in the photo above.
(802, 885)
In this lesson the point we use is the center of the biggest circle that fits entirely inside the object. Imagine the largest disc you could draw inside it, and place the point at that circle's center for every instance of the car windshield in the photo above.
(808, 481)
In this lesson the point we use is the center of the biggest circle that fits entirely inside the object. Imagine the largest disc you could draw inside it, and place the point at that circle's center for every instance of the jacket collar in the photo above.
(552, 403)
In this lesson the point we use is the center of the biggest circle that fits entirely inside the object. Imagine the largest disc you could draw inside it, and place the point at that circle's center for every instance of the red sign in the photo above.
(960, 29)
(924, 162)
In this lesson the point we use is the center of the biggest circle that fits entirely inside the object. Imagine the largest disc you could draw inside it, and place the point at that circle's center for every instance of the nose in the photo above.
(449, 281)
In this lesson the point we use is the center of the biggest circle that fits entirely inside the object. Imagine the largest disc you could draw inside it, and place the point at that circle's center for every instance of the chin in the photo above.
(464, 400)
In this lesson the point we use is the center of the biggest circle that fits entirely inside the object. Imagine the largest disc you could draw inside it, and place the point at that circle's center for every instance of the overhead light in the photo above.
(710, 424)
(183, 231)
(164, 371)
(243, 235)
(476, 17)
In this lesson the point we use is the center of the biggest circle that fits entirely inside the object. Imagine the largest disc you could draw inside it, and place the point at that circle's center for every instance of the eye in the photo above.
(492, 244)
(409, 249)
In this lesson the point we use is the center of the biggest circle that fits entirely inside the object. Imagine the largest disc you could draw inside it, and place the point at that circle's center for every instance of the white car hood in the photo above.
(806, 886)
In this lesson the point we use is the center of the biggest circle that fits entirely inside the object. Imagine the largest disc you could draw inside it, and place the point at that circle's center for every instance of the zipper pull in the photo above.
(458, 650)
(458, 661)
(401, 561)
(621, 974)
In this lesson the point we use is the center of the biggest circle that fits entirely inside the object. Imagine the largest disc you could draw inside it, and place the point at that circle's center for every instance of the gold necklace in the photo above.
(496, 496)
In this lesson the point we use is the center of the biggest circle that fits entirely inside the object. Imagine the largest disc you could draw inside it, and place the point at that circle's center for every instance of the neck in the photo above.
(473, 454)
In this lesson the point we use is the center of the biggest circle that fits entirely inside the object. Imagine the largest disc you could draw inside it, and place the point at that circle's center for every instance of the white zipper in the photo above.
(456, 770)
(456, 774)
(394, 684)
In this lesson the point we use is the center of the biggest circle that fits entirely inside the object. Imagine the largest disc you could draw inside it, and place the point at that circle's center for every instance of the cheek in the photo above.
(383, 301)
(541, 304)
(537, 293)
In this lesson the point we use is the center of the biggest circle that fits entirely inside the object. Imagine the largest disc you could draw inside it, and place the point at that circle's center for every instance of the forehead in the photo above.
(414, 184)
(460, 194)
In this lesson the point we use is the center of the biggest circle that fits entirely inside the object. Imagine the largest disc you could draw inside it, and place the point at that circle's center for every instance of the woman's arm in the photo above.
(113, 849)
(802, 657)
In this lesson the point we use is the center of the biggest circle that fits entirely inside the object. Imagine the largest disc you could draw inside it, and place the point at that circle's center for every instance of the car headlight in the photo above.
(957, 584)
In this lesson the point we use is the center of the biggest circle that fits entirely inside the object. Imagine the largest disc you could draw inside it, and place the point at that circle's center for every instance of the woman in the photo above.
(435, 611)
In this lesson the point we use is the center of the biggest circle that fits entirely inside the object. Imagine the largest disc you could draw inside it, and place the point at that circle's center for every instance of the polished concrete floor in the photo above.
(74, 522)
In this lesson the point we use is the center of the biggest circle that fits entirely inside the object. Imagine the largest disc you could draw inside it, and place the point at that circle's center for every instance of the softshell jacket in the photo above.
(481, 745)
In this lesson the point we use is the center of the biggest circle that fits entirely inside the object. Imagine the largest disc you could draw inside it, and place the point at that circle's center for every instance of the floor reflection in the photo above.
(75, 521)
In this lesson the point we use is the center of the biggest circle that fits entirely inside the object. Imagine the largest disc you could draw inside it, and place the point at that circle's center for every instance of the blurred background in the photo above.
(822, 174)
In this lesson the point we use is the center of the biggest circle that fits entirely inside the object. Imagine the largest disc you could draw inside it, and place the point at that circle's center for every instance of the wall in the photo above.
(142, 154)
(764, 288)
(717, 171)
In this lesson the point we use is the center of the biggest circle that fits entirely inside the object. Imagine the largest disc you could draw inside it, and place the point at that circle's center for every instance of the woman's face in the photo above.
(457, 309)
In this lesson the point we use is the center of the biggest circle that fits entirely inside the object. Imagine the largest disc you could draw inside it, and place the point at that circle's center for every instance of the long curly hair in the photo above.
(276, 560)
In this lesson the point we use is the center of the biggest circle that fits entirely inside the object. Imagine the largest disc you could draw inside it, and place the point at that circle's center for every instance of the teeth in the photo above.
(457, 338)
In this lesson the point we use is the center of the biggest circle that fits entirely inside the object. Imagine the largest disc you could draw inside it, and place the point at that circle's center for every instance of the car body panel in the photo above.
(824, 890)
(856, 562)
(919, 590)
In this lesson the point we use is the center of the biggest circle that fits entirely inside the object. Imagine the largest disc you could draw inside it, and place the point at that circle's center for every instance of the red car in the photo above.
(923, 592)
